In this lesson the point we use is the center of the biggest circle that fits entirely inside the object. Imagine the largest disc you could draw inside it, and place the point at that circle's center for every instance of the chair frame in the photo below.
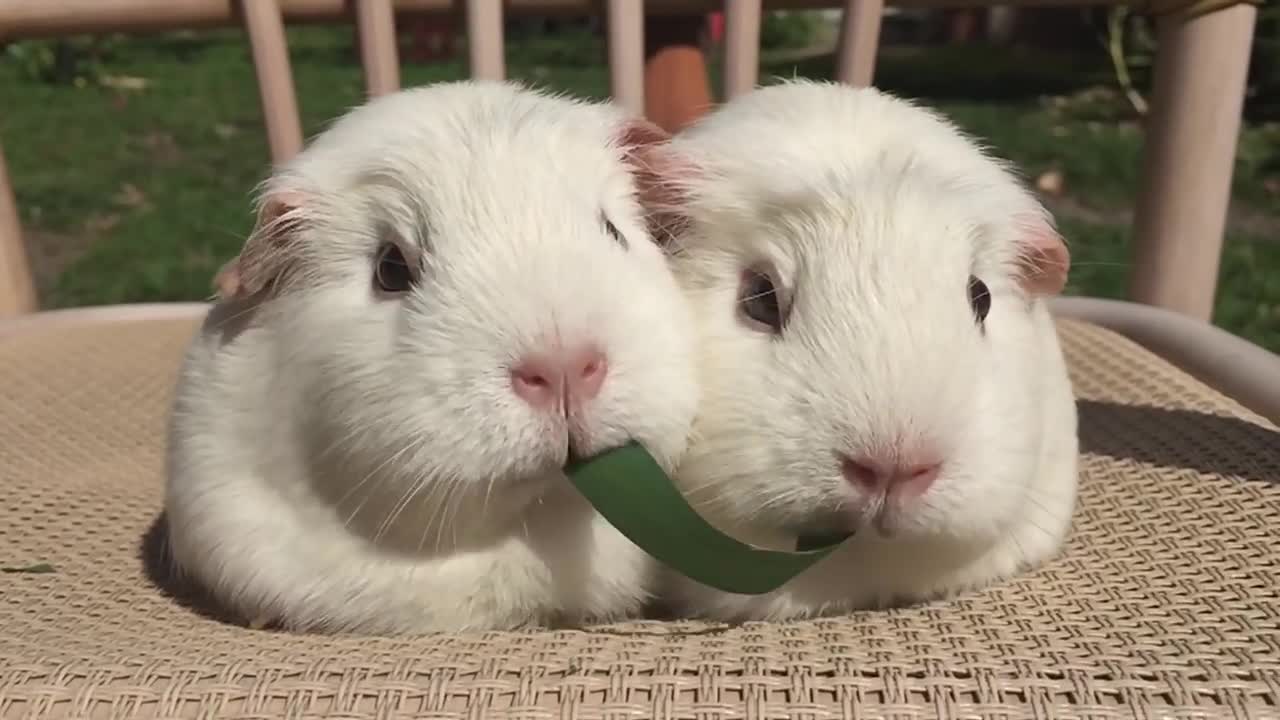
(1180, 219)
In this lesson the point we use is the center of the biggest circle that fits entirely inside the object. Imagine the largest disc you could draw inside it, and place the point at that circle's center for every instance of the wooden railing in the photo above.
(1188, 160)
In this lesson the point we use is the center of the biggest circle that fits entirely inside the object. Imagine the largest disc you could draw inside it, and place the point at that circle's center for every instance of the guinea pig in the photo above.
(447, 294)
(876, 354)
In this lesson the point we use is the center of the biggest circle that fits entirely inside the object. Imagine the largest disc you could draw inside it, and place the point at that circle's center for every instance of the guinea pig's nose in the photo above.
(561, 379)
(904, 478)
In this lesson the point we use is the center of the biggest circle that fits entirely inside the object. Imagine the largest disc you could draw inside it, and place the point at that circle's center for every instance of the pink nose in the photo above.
(561, 379)
(900, 479)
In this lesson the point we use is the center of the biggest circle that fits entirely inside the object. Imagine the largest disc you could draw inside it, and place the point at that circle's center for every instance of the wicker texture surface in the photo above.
(1166, 603)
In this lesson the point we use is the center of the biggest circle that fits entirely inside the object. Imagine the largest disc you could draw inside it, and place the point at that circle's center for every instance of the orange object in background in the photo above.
(676, 88)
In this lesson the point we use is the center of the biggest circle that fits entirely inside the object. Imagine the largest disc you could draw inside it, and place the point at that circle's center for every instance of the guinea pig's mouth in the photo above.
(880, 519)
(581, 445)
(822, 528)
(576, 453)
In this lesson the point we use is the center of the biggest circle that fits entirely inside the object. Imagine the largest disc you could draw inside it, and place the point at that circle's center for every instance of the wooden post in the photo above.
(485, 46)
(1001, 22)
(379, 53)
(1189, 157)
(275, 77)
(625, 20)
(741, 47)
(859, 39)
(17, 289)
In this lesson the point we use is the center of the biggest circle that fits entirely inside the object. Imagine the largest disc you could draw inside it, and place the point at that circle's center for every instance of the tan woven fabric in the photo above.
(1165, 605)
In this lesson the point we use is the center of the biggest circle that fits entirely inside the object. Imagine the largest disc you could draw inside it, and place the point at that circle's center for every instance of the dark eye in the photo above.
(759, 301)
(979, 298)
(615, 234)
(392, 273)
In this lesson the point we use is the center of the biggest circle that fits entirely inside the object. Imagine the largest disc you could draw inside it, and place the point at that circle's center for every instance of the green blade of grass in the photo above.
(633, 493)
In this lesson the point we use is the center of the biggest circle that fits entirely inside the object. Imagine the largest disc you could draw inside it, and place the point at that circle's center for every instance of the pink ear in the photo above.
(268, 253)
(657, 170)
(641, 133)
(227, 282)
(1045, 258)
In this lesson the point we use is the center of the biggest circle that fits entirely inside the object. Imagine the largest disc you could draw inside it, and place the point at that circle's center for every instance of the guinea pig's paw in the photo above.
(994, 571)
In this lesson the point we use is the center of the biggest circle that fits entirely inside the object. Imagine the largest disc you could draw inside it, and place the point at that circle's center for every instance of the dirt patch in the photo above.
(162, 148)
(49, 253)
(1240, 220)
(1068, 207)
(1250, 221)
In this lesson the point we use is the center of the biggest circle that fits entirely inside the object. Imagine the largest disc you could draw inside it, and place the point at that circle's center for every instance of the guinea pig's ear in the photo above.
(267, 253)
(658, 170)
(1045, 260)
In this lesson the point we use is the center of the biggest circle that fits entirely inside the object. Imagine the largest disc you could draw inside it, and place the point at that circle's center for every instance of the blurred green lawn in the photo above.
(132, 195)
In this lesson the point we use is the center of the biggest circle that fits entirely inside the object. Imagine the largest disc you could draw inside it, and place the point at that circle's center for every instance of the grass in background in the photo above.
(139, 189)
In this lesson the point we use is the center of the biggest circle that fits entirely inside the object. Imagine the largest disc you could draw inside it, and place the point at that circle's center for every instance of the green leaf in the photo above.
(631, 491)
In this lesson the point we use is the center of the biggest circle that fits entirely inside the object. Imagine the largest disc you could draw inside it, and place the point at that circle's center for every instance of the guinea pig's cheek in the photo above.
(961, 504)
(635, 412)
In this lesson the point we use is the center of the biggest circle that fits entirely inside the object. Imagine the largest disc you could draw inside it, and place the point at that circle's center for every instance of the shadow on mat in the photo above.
(153, 551)
(1187, 439)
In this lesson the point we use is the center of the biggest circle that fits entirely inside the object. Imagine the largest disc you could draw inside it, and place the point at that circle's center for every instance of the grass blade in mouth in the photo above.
(628, 488)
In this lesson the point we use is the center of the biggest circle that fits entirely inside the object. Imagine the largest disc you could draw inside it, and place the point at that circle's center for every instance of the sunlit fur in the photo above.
(875, 213)
(341, 460)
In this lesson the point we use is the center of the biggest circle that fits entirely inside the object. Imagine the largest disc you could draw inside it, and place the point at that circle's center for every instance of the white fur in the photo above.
(344, 461)
(875, 213)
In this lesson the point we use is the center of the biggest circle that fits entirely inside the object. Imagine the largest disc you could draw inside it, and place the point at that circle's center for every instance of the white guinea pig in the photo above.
(450, 291)
(876, 352)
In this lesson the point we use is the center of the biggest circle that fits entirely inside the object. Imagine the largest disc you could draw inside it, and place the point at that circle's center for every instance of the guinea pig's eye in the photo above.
(759, 302)
(392, 272)
(614, 233)
(979, 298)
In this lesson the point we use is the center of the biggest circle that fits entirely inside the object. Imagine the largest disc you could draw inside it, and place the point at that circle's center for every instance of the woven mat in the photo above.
(1165, 604)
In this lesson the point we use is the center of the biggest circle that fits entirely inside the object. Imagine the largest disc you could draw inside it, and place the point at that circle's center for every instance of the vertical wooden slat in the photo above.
(275, 77)
(741, 46)
(378, 52)
(1196, 107)
(485, 43)
(17, 289)
(626, 53)
(858, 42)
(1002, 22)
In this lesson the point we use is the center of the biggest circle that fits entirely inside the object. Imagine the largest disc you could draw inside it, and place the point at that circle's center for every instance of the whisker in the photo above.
(390, 458)
(232, 318)
(1031, 496)
(441, 487)
(437, 499)
(1100, 263)
(398, 508)
(446, 516)
(368, 495)
(757, 296)
(488, 490)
